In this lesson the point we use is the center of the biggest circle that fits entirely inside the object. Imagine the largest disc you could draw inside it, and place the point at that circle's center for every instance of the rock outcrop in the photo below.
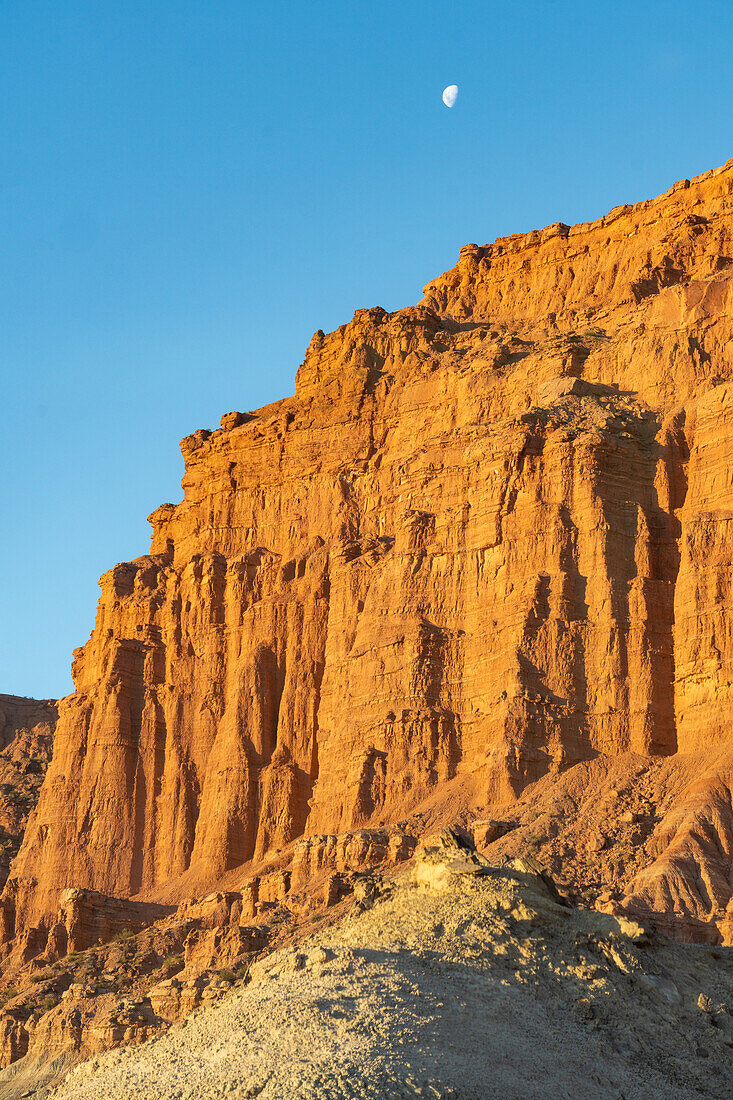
(487, 542)
(467, 985)
(26, 742)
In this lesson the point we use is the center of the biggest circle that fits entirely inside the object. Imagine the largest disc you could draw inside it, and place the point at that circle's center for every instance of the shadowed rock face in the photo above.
(489, 539)
(26, 742)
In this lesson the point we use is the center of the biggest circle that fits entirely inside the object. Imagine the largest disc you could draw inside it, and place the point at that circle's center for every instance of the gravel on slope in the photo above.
(485, 988)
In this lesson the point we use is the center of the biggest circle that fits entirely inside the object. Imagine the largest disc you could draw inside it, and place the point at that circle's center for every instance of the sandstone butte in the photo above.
(480, 566)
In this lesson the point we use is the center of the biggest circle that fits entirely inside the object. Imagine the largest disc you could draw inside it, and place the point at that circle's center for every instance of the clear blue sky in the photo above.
(190, 189)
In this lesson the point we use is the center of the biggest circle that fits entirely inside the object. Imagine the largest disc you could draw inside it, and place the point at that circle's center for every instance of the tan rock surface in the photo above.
(476, 987)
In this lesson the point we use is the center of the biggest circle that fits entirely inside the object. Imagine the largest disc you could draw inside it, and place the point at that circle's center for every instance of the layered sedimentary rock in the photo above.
(486, 541)
(26, 742)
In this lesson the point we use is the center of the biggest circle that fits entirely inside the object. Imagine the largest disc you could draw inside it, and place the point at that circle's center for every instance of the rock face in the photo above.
(26, 742)
(487, 541)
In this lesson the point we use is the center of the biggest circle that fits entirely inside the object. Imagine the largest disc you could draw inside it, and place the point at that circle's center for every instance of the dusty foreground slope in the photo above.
(468, 984)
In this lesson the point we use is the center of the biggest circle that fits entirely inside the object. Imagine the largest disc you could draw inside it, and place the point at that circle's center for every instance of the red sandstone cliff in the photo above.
(489, 540)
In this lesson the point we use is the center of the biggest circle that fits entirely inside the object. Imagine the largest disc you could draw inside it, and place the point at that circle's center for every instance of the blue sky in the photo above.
(190, 189)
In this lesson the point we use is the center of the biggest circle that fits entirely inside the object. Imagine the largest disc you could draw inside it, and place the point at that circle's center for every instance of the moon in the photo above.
(450, 95)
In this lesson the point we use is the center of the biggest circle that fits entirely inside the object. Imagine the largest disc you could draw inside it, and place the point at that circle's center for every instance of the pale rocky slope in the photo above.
(472, 985)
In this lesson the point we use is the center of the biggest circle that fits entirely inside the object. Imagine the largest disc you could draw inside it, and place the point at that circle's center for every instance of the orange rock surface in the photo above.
(487, 542)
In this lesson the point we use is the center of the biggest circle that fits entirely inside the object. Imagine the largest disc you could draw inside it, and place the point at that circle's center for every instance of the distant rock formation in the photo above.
(26, 743)
(488, 540)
